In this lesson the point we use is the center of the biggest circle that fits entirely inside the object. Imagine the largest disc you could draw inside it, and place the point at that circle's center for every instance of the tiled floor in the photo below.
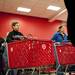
(41, 74)
(36, 73)
(45, 74)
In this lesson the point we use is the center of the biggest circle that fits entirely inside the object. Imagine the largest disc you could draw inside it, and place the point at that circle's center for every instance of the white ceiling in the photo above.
(39, 8)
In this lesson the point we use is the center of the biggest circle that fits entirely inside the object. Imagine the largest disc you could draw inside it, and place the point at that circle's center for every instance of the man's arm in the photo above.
(9, 38)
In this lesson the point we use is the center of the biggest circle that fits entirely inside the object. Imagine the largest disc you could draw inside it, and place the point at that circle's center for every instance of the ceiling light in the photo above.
(21, 9)
(54, 8)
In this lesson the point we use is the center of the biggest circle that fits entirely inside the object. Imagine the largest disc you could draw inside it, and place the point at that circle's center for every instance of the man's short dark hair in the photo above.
(14, 23)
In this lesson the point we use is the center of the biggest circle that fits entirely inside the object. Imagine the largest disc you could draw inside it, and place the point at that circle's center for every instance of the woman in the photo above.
(60, 35)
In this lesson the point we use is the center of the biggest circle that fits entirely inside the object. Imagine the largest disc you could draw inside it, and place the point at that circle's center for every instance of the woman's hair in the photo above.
(59, 28)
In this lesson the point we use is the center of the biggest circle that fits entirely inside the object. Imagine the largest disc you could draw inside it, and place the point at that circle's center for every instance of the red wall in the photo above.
(40, 28)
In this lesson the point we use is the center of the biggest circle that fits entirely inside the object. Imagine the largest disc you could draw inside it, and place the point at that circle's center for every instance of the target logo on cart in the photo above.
(11, 49)
(43, 46)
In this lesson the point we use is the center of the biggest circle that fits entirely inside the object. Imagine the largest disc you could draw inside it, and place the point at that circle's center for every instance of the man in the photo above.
(70, 4)
(15, 35)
